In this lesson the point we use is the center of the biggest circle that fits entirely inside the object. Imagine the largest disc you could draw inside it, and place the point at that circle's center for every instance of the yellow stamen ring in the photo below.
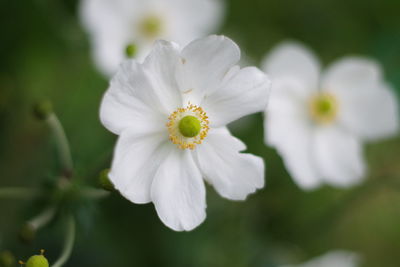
(187, 127)
(323, 108)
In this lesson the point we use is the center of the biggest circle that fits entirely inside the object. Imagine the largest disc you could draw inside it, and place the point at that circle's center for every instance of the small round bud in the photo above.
(189, 126)
(38, 261)
(42, 109)
(104, 180)
(7, 259)
(130, 50)
(27, 233)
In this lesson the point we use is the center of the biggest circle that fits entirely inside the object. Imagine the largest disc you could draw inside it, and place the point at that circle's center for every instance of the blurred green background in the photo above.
(45, 54)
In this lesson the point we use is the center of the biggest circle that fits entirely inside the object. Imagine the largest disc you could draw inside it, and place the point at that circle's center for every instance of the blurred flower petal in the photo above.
(294, 61)
(338, 157)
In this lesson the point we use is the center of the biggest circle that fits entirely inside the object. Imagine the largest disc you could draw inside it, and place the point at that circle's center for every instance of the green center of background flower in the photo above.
(189, 126)
(323, 108)
(151, 26)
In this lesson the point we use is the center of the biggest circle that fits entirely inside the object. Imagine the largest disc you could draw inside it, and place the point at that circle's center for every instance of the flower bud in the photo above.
(42, 109)
(37, 261)
(130, 50)
(104, 181)
(27, 233)
(7, 259)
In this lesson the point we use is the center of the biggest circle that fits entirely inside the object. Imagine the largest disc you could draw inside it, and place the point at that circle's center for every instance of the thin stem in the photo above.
(42, 219)
(62, 143)
(17, 192)
(94, 193)
(68, 244)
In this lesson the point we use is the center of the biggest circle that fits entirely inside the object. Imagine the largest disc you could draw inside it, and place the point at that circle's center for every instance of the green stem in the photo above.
(17, 192)
(68, 244)
(62, 144)
(94, 193)
(42, 219)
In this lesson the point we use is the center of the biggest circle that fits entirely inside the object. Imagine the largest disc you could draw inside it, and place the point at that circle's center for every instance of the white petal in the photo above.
(108, 23)
(205, 62)
(136, 160)
(294, 61)
(161, 66)
(244, 93)
(193, 19)
(338, 156)
(291, 134)
(351, 73)
(178, 192)
(132, 101)
(234, 175)
(370, 111)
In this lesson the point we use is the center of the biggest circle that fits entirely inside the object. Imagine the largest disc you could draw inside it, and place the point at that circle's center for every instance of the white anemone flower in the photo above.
(121, 27)
(170, 113)
(317, 120)
(337, 258)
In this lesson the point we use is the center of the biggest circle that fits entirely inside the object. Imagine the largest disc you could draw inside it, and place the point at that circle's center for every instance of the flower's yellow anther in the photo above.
(151, 26)
(188, 126)
(323, 108)
(131, 50)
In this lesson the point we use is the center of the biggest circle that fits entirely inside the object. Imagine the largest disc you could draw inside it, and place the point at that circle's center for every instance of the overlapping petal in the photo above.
(291, 135)
(367, 106)
(136, 160)
(204, 64)
(134, 99)
(294, 61)
(242, 93)
(351, 73)
(233, 174)
(338, 157)
(178, 192)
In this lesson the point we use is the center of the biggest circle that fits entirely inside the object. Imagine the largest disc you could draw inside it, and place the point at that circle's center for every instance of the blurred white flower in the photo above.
(170, 114)
(332, 259)
(318, 121)
(116, 26)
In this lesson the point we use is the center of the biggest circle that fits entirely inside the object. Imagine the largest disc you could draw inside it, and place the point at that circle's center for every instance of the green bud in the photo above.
(104, 181)
(189, 126)
(7, 259)
(42, 109)
(27, 233)
(38, 261)
(130, 50)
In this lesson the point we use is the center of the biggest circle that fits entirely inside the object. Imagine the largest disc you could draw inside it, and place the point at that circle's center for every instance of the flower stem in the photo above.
(17, 192)
(94, 193)
(68, 244)
(62, 144)
(42, 219)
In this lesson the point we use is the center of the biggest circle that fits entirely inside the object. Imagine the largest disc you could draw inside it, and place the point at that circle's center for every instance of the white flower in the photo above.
(115, 25)
(332, 259)
(317, 120)
(170, 114)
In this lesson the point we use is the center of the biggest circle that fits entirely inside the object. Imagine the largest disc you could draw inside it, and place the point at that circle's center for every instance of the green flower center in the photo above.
(323, 108)
(189, 126)
(151, 26)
